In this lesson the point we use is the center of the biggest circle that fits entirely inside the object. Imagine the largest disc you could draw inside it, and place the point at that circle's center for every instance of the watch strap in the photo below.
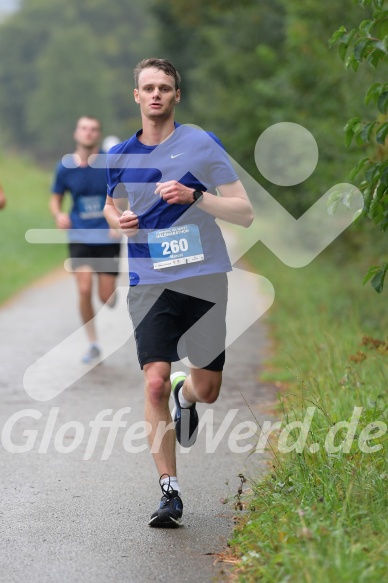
(197, 195)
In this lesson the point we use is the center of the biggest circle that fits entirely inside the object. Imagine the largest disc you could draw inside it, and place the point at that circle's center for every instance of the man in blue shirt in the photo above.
(93, 246)
(162, 194)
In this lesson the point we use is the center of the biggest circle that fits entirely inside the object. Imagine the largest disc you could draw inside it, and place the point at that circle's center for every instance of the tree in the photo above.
(368, 43)
(252, 64)
(70, 85)
(61, 58)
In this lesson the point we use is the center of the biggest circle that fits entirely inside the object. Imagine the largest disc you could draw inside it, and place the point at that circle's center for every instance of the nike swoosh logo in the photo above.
(176, 155)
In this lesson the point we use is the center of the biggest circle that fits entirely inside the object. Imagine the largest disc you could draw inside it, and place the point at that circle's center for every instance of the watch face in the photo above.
(197, 195)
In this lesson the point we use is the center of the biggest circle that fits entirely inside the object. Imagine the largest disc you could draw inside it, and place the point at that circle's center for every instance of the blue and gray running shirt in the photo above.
(174, 241)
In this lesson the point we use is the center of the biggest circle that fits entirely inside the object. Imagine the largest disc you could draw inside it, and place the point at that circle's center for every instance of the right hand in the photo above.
(129, 223)
(62, 220)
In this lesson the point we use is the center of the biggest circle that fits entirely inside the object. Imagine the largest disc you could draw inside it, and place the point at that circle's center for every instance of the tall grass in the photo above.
(27, 189)
(320, 514)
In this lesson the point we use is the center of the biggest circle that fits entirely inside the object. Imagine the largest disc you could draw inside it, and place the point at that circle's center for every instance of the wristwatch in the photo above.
(197, 195)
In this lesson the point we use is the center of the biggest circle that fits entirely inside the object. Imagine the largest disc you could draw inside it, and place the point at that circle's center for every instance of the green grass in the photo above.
(28, 190)
(322, 517)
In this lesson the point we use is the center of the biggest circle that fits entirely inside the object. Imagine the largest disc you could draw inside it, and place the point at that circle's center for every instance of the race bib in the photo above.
(91, 207)
(175, 246)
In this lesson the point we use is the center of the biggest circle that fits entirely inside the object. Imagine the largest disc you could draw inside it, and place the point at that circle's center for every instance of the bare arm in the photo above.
(3, 200)
(232, 205)
(62, 220)
(125, 221)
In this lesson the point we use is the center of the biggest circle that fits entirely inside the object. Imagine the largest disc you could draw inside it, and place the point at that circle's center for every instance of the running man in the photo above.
(95, 248)
(168, 175)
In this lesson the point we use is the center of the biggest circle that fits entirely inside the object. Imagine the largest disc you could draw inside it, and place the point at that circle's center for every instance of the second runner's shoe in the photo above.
(93, 355)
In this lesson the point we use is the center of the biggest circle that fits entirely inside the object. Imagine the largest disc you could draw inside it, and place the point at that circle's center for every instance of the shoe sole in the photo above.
(175, 376)
(170, 523)
(193, 438)
(86, 359)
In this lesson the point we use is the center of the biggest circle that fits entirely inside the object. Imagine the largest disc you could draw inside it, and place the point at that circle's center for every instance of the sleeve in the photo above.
(59, 183)
(219, 167)
(115, 188)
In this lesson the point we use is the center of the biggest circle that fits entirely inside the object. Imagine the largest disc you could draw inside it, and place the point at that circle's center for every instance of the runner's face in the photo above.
(87, 133)
(156, 94)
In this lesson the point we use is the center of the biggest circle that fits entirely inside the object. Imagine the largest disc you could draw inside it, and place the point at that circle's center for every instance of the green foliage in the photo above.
(64, 58)
(319, 515)
(245, 66)
(253, 64)
(27, 190)
(377, 274)
(75, 77)
(369, 43)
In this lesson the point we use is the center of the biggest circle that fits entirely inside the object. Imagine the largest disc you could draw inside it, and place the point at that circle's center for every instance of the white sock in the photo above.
(182, 401)
(173, 481)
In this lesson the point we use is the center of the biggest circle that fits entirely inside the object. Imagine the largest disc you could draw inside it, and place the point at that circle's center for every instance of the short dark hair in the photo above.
(161, 65)
(94, 118)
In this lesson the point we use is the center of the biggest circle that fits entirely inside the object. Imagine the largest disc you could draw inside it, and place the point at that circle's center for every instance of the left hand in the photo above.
(174, 192)
(115, 234)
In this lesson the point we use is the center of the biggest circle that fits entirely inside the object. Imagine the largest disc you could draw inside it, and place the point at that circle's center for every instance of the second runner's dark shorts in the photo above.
(101, 258)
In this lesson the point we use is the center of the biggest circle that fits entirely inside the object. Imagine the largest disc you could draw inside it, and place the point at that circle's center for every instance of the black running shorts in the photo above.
(101, 258)
(187, 318)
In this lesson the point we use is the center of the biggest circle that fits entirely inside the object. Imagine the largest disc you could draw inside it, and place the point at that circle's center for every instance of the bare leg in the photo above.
(157, 394)
(202, 386)
(107, 288)
(84, 283)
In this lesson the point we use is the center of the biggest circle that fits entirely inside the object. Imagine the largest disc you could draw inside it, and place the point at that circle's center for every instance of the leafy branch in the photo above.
(369, 43)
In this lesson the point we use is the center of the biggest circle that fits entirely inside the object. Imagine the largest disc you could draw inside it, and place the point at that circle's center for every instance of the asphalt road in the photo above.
(76, 498)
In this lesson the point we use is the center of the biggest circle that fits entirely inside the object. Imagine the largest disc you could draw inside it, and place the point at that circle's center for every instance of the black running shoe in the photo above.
(169, 513)
(185, 418)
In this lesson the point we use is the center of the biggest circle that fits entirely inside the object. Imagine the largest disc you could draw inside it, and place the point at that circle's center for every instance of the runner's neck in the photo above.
(83, 154)
(154, 133)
